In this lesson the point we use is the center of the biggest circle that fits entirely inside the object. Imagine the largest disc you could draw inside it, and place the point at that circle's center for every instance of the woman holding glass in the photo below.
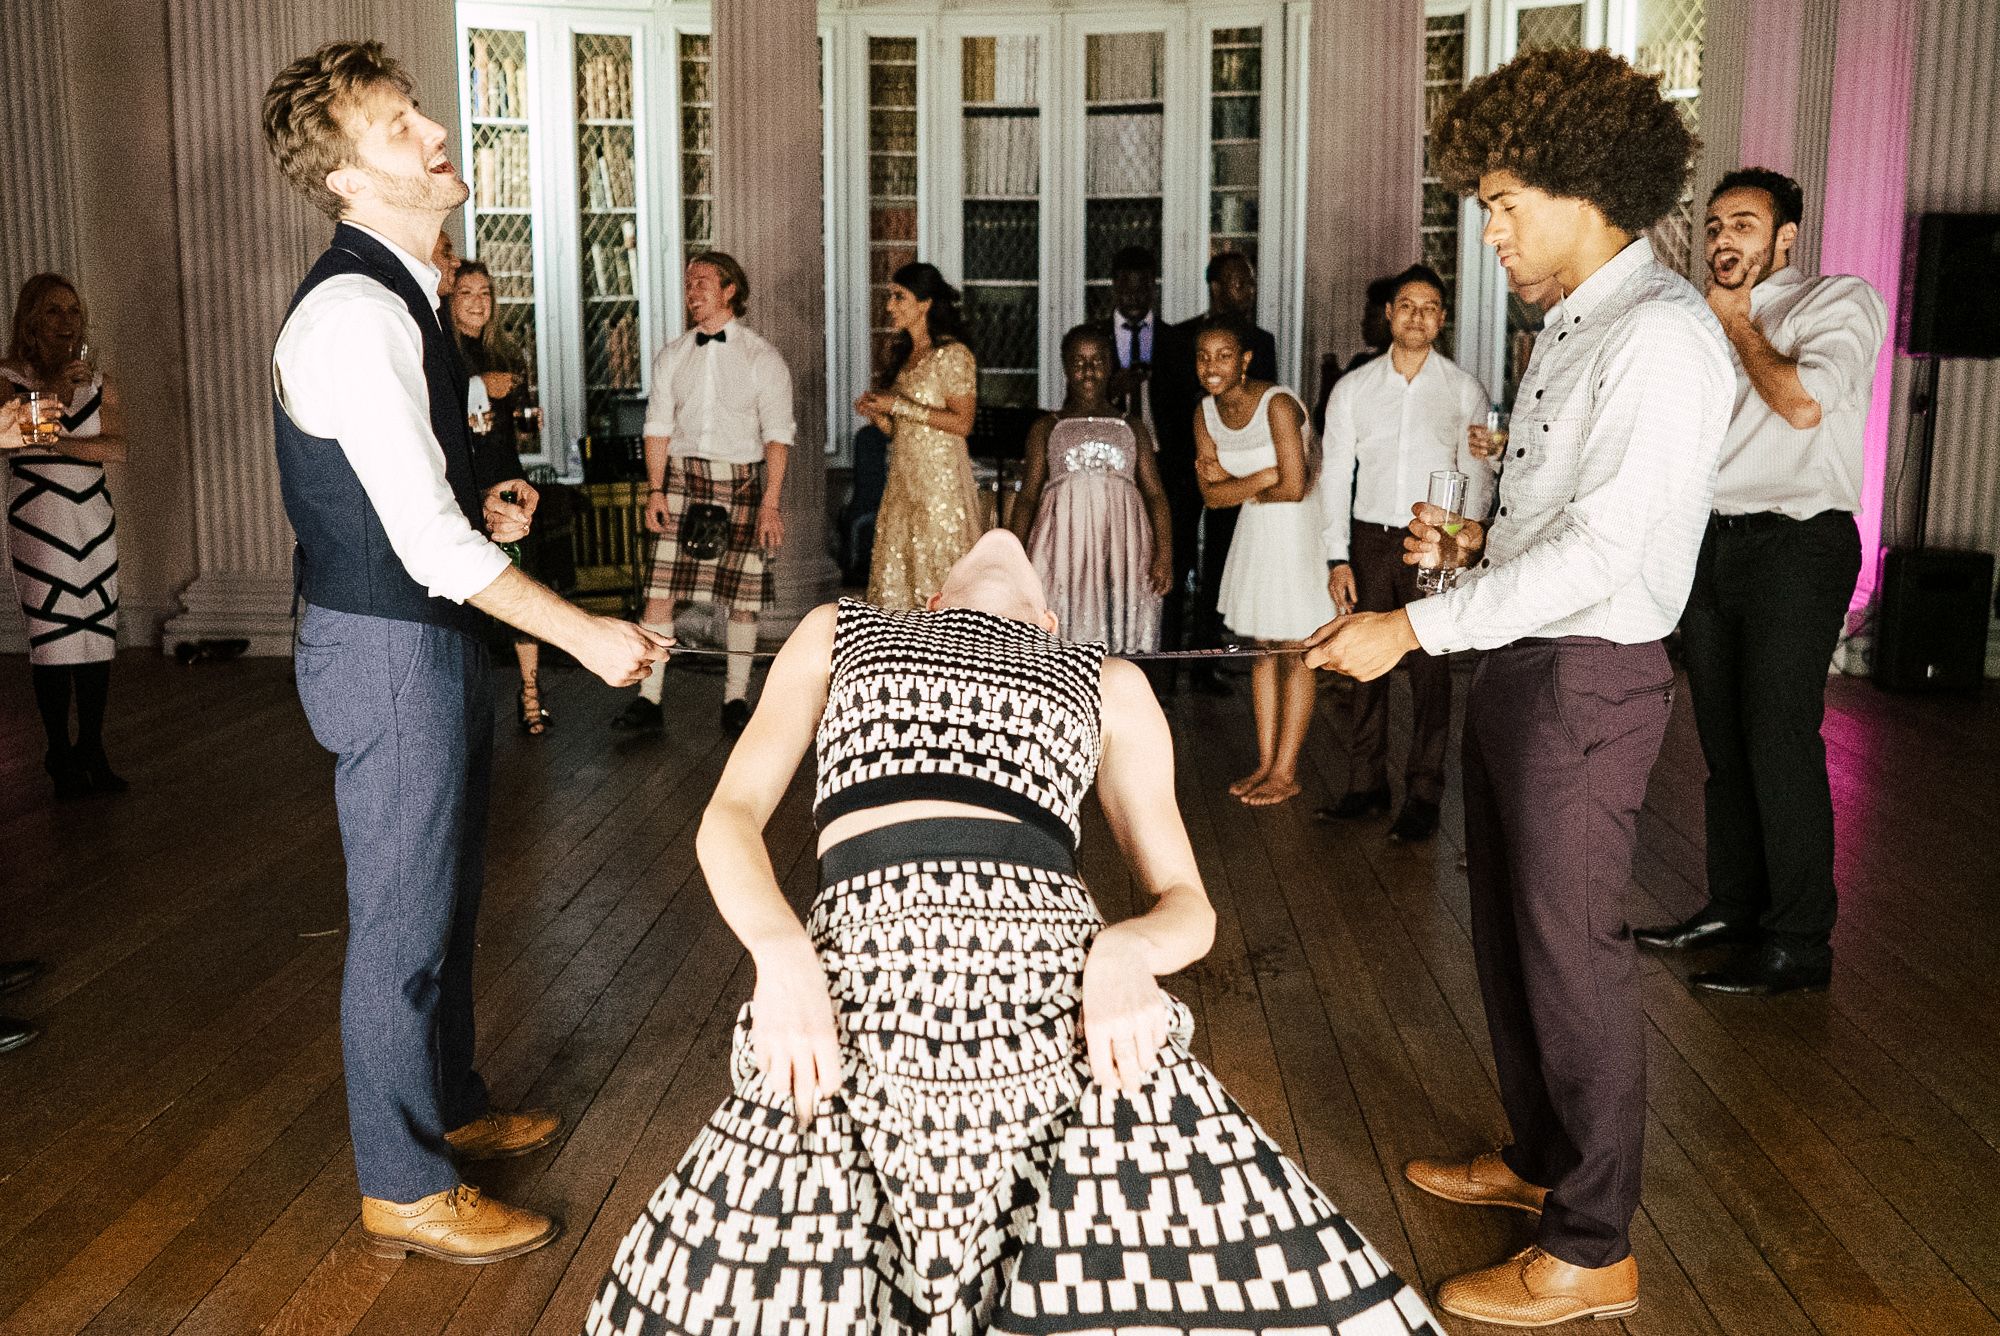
(497, 387)
(929, 515)
(62, 533)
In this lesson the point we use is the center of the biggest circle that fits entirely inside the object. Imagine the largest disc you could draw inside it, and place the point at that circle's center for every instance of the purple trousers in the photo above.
(1560, 736)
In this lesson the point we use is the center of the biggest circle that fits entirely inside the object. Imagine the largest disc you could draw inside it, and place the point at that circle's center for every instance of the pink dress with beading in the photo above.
(1093, 542)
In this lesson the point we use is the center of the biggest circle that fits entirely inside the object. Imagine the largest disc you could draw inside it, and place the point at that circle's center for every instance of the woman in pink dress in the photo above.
(1092, 513)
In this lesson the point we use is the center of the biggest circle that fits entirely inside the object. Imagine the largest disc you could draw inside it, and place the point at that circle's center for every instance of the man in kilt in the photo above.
(718, 427)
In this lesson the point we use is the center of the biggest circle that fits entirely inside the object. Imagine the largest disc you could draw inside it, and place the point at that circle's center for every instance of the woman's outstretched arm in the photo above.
(1124, 1014)
(791, 1015)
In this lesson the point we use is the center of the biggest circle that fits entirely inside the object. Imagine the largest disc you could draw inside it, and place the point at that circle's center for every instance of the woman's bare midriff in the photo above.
(892, 814)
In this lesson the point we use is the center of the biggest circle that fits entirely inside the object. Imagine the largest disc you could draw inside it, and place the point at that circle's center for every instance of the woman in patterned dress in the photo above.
(962, 1102)
(929, 514)
(62, 535)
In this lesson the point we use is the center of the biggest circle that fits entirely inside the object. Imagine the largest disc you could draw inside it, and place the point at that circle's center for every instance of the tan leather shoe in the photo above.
(457, 1225)
(500, 1136)
(1484, 1180)
(1533, 1289)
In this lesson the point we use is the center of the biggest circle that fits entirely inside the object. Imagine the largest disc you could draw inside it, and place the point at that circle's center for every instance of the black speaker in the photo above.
(1931, 624)
(1951, 302)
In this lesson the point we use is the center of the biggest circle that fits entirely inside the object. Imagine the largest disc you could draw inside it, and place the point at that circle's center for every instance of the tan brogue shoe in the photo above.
(458, 1225)
(1484, 1180)
(500, 1136)
(1534, 1289)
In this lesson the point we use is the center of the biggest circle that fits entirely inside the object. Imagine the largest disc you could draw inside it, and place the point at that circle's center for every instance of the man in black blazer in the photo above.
(1177, 396)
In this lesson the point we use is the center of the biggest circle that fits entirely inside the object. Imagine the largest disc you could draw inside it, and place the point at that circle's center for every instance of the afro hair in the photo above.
(1573, 123)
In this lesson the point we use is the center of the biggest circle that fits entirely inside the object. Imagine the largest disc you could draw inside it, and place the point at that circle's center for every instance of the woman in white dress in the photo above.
(62, 535)
(1254, 447)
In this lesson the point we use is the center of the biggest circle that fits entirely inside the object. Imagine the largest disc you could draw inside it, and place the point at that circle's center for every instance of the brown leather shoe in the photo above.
(457, 1225)
(1534, 1289)
(501, 1136)
(1484, 1180)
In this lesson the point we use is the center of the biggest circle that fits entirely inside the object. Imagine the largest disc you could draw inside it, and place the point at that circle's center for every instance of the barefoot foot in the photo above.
(1274, 790)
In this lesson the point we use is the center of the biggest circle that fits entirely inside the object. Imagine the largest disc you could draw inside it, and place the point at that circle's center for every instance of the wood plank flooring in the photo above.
(173, 1152)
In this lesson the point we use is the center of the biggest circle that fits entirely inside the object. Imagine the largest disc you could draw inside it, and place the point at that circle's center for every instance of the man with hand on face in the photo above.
(1771, 591)
(1617, 429)
(1389, 424)
(396, 550)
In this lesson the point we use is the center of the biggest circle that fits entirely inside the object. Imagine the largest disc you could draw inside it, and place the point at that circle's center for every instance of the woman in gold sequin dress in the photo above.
(929, 516)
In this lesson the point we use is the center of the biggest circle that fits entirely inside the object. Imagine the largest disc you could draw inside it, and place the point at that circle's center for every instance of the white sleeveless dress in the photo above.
(1274, 583)
(62, 538)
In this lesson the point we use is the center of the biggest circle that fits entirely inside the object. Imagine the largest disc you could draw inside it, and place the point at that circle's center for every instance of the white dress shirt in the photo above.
(1616, 434)
(1834, 326)
(349, 366)
(1386, 435)
(723, 399)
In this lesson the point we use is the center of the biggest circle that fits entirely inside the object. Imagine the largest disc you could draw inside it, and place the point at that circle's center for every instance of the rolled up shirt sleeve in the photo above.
(660, 396)
(350, 367)
(1640, 484)
(1837, 339)
(775, 421)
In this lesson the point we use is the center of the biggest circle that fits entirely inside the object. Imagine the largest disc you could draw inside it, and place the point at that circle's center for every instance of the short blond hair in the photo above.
(304, 110)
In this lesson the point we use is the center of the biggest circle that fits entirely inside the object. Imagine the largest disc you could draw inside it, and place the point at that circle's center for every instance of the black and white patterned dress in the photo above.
(62, 541)
(968, 1176)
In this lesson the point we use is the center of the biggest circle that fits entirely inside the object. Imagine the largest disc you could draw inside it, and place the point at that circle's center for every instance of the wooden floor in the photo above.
(173, 1151)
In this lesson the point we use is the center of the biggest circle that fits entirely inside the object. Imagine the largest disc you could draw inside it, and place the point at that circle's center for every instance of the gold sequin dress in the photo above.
(929, 516)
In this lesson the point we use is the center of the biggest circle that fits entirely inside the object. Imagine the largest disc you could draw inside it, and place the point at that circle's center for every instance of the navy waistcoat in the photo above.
(343, 560)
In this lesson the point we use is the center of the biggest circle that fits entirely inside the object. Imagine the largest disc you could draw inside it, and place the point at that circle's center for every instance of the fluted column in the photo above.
(768, 183)
(246, 240)
(1364, 159)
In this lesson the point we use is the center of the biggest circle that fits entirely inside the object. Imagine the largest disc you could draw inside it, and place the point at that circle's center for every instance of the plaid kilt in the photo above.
(740, 578)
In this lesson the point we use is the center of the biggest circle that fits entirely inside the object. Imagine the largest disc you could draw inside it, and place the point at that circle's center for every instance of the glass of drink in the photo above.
(1447, 494)
(1496, 432)
(41, 418)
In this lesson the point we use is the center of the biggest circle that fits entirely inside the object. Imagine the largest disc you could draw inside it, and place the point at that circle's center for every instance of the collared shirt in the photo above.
(1834, 327)
(349, 366)
(1124, 331)
(1385, 435)
(1616, 434)
(722, 399)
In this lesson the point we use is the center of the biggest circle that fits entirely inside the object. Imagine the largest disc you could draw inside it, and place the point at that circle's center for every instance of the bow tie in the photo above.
(702, 340)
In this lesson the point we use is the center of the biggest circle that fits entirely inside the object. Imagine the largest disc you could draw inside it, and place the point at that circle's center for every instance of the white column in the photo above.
(1364, 160)
(246, 240)
(768, 184)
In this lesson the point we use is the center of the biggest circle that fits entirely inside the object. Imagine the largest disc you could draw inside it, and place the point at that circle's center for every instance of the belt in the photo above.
(1768, 519)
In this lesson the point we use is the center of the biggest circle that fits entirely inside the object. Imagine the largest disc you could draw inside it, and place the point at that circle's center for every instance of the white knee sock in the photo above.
(742, 641)
(655, 684)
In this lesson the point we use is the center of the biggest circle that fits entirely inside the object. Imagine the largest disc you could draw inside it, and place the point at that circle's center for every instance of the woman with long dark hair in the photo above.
(62, 532)
(929, 516)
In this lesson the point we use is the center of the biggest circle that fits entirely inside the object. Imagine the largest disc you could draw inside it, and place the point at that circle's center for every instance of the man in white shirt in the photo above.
(718, 430)
(1389, 424)
(1618, 426)
(1135, 323)
(1771, 591)
(379, 482)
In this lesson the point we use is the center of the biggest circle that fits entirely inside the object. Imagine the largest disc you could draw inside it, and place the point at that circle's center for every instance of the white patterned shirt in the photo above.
(1386, 435)
(1834, 327)
(1616, 434)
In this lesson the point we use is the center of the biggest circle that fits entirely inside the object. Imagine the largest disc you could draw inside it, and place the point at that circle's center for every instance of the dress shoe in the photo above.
(18, 974)
(67, 773)
(640, 716)
(1767, 971)
(1356, 805)
(457, 1225)
(1417, 822)
(1535, 1289)
(501, 1136)
(735, 714)
(1484, 1180)
(97, 773)
(15, 1033)
(1704, 928)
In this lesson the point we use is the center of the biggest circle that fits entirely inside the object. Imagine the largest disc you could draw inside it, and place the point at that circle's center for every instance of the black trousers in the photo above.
(1560, 736)
(1382, 583)
(1770, 594)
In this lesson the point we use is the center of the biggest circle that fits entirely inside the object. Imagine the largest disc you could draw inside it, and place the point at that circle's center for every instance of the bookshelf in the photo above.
(1235, 140)
(609, 258)
(1001, 211)
(1124, 154)
(894, 177)
(500, 216)
(697, 141)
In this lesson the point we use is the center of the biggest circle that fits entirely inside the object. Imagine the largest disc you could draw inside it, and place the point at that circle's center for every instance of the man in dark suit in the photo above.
(1134, 328)
(1177, 395)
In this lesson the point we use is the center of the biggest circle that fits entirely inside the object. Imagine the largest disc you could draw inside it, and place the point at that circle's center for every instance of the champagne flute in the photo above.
(1447, 493)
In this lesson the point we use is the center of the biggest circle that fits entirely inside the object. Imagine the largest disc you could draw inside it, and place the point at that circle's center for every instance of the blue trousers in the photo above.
(406, 708)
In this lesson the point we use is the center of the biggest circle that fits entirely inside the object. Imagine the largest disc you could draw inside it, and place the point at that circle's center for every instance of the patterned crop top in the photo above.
(958, 705)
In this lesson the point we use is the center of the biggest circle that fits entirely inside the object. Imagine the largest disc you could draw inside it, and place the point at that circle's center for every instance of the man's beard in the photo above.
(1742, 270)
(431, 195)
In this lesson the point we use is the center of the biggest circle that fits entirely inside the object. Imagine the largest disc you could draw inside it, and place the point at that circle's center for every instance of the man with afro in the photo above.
(1618, 426)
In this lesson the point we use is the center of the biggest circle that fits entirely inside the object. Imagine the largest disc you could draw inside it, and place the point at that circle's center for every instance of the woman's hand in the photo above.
(73, 377)
(499, 384)
(1209, 469)
(11, 413)
(1124, 1013)
(791, 1029)
(1161, 575)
